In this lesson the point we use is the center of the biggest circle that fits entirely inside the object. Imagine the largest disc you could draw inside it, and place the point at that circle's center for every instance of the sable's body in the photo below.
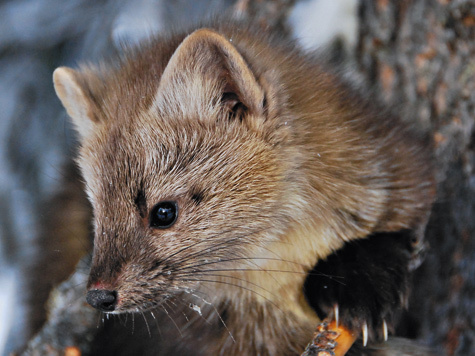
(273, 164)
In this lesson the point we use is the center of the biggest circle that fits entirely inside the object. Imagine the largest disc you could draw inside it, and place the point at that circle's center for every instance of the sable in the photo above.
(225, 163)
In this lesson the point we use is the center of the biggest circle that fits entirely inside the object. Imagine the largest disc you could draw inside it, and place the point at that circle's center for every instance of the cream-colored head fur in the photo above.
(209, 111)
(203, 68)
(205, 59)
(74, 99)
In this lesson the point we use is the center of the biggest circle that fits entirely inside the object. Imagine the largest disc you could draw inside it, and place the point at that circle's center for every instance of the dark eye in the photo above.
(164, 214)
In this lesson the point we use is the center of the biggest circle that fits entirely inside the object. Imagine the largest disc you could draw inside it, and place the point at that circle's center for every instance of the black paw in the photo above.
(365, 283)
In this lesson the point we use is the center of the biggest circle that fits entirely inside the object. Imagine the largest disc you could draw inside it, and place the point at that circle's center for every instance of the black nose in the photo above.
(104, 300)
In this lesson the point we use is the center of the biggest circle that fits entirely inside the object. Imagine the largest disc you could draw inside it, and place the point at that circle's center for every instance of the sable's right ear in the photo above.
(206, 57)
(74, 99)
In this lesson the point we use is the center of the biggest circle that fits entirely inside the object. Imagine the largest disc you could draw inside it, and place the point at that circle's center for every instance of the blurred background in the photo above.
(419, 55)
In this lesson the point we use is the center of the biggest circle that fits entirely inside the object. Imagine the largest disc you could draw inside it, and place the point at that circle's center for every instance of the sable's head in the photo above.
(181, 167)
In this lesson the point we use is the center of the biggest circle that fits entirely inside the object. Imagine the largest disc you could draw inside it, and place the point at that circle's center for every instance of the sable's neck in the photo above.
(269, 292)
(264, 329)
(265, 307)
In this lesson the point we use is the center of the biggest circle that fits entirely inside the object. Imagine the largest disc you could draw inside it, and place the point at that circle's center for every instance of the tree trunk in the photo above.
(421, 55)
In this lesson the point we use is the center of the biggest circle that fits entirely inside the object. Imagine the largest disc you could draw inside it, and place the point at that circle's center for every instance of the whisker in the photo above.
(223, 245)
(250, 270)
(99, 318)
(184, 249)
(231, 240)
(121, 319)
(173, 321)
(249, 259)
(239, 279)
(332, 277)
(218, 314)
(146, 323)
(231, 284)
(208, 250)
(240, 259)
(171, 301)
(156, 322)
(186, 304)
(186, 317)
(133, 323)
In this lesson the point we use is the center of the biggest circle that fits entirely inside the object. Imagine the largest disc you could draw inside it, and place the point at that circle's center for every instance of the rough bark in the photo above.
(71, 324)
(267, 13)
(421, 55)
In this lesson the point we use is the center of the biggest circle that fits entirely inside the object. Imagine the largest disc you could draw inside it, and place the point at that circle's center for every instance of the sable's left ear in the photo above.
(206, 59)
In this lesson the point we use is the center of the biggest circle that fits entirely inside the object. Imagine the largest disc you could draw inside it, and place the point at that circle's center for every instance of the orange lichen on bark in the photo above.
(382, 4)
(423, 57)
(469, 20)
(440, 99)
(439, 139)
(387, 78)
(330, 339)
(422, 86)
(72, 351)
(345, 338)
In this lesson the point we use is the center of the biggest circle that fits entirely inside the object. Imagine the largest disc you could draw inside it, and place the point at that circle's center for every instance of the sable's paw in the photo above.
(382, 333)
(362, 285)
(366, 326)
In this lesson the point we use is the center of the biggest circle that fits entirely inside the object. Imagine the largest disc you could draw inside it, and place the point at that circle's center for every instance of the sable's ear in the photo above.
(72, 96)
(206, 59)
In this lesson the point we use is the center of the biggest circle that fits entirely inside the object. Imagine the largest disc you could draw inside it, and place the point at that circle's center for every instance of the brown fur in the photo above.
(304, 166)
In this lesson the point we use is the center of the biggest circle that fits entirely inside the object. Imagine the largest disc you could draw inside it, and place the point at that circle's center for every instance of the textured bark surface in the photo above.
(272, 13)
(71, 325)
(421, 55)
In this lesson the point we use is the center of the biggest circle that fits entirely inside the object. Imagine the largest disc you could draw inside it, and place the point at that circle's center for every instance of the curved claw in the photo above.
(385, 330)
(336, 314)
(364, 333)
